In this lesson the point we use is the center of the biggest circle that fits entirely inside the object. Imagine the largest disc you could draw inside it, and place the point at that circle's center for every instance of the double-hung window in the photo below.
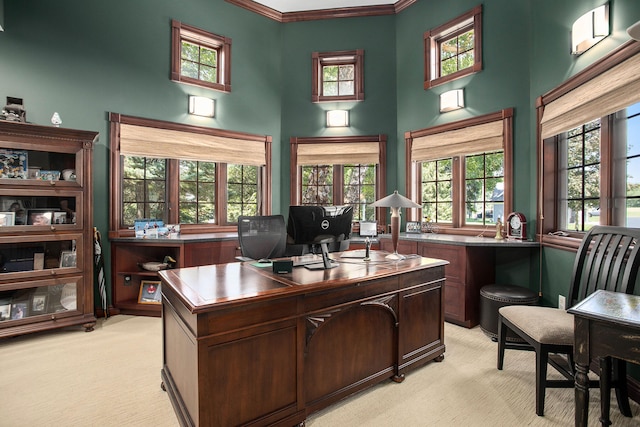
(339, 171)
(461, 172)
(198, 177)
(589, 149)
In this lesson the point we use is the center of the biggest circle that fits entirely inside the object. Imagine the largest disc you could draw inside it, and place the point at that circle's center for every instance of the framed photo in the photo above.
(50, 175)
(150, 292)
(5, 310)
(18, 310)
(39, 303)
(13, 164)
(7, 219)
(59, 218)
(68, 259)
(414, 227)
(39, 216)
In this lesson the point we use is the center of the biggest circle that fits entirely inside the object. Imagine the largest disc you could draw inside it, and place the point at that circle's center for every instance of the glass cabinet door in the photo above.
(35, 208)
(49, 299)
(39, 256)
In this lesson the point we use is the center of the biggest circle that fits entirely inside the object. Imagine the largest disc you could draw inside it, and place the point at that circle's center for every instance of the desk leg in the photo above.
(582, 395)
(605, 390)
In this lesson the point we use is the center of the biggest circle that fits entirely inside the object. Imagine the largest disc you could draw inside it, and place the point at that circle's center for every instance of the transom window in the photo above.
(200, 58)
(454, 49)
(338, 76)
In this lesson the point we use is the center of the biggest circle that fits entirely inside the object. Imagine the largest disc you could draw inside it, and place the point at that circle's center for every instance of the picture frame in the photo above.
(19, 310)
(7, 219)
(68, 259)
(5, 310)
(49, 175)
(413, 227)
(39, 216)
(150, 292)
(13, 164)
(39, 303)
(59, 218)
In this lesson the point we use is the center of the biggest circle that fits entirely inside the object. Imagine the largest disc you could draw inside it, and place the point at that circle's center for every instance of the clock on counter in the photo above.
(516, 226)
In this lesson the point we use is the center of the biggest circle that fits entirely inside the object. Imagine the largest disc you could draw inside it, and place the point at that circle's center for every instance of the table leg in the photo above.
(582, 395)
(605, 390)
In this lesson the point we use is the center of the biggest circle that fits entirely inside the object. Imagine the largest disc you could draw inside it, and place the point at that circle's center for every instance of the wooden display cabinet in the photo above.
(46, 239)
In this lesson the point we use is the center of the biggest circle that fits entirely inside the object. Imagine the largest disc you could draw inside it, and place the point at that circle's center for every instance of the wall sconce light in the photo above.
(589, 29)
(202, 106)
(337, 118)
(634, 31)
(451, 100)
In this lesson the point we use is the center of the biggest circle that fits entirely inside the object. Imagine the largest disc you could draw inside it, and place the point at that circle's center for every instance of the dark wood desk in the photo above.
(607, 324)
(245, 346)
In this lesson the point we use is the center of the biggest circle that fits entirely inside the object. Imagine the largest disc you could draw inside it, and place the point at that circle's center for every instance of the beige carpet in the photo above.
(111, 376)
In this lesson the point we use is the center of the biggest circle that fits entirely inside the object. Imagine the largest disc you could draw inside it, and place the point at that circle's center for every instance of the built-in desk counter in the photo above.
(472, 264)
(245, 346)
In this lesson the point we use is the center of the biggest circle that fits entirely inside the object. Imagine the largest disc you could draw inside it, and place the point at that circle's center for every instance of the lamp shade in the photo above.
(395, 200)
(634, 31)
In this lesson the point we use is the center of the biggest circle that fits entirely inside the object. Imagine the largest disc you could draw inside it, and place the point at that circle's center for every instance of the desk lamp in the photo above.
(395, 201)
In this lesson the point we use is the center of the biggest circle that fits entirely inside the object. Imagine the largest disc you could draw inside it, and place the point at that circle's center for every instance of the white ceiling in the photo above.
(285, 6)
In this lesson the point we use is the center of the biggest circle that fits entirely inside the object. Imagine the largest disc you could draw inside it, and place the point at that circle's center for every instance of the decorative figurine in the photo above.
(56, 120)
(499, 229)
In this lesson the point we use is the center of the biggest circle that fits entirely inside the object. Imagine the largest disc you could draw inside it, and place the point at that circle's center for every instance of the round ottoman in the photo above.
(492, 297)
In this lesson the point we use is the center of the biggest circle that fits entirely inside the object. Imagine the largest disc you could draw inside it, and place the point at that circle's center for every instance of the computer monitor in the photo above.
(310, 228)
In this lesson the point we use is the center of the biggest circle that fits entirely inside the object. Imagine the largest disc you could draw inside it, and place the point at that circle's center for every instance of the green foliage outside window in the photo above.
(484, 181)
(437, 190)
(338, 80)
(360, 190)
(197, 192)
(242, 191)
(143, 189)
(199, 62)
(457, 53)
(317, 185)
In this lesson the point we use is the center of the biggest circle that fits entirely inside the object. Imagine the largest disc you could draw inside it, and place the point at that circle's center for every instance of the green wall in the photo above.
(85, 59)
(375, 115)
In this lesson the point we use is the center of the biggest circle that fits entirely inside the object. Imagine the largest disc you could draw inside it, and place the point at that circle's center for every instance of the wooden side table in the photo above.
(607, 324)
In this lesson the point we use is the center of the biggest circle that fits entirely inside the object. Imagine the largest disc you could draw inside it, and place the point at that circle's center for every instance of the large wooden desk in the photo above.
(607, 324)
(244, 346)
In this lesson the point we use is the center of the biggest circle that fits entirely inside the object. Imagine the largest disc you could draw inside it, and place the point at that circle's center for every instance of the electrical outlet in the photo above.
(562, 302)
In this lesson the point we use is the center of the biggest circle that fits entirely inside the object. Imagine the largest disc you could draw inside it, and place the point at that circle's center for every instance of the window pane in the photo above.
(346, 88)
(190, 51)
(465, 41)
(189, 69)
(359, 190)
(330, 88)
(330, 73)
(346, 72)
(208, 74)
(457, 53)
(208, 57)
(579, 182)
(437, 190)
(197, 192)
(449, 48)
(242, 191)
(484, 177)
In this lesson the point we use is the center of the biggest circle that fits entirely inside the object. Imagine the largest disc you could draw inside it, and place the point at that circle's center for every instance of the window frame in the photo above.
(434, 37)
(413, 178)
(183, 32)
(295, 176)
(547, 172)
(344, 57)
(116, 226)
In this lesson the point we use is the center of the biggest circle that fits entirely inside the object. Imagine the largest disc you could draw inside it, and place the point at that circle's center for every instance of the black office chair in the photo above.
(607, 259)
(262, 237)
